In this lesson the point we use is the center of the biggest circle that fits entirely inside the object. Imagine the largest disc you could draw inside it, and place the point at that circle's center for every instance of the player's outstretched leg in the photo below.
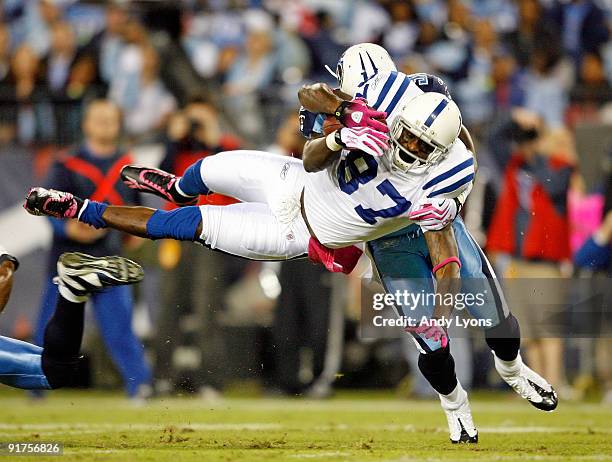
(162, 184)
(504, 340)
(27, 366)
(78, 275)
(220, 227)
(181, 224)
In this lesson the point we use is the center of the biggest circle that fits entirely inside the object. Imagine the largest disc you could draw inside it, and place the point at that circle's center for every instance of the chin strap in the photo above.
(446, 262)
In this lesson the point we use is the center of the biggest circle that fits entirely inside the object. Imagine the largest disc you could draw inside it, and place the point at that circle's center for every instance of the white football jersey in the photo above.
(360, 198)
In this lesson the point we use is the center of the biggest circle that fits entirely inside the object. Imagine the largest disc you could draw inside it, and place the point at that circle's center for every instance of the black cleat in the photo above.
(155, 181)
(58, 204)
(531, 386)
(82, 274)
(465, 438)
(549, 400)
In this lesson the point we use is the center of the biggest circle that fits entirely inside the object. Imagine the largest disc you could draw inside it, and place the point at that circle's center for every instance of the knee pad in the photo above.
(180, 224)
(438, 367)
(505, 338)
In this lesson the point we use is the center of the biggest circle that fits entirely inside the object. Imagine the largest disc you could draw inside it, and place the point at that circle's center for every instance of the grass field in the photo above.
(352, 426)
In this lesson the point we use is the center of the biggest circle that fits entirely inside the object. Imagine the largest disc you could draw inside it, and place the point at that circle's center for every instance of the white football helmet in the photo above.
(360, 63)
(431, 117)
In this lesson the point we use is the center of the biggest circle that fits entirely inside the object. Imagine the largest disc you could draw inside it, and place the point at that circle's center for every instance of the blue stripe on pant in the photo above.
(21, 365)
(113, 312)
(403, 263)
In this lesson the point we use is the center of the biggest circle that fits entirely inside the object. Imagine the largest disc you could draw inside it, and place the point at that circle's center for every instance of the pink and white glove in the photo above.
(435, 214)
(431, 332)
(357, 113)
(365, 139)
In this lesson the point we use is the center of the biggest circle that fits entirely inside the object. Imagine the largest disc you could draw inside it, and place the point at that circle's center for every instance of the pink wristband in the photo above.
(446, 262)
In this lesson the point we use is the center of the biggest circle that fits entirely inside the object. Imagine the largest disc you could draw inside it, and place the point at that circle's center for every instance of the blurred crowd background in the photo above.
(191, 78)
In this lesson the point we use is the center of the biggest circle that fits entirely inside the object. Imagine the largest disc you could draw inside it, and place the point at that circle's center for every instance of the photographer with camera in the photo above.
(529, 231)
(194, 282)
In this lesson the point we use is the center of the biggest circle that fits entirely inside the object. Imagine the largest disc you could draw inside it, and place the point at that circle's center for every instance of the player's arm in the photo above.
(466, 138)
(320, 152)
(444, 254)
(320, 98)
(8, 265)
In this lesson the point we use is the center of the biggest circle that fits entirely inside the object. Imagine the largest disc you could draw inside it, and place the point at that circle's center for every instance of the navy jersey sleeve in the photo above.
(430, 83)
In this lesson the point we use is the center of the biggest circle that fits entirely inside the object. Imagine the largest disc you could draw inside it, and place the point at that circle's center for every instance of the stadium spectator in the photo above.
(56, 69)
(154, 103)
(26, 100)
(93, 171)
(401, 35)
(530, 227)
(546, 85)
(125, 82)
(35, 27)
(472, 92)
(104, 48)
(252, 72)
(590, 93)
(532, 31)
(324, 46)
(508, 81)
(583, 27)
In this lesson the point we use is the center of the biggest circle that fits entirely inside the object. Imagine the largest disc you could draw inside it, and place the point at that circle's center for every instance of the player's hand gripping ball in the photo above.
(357, 113)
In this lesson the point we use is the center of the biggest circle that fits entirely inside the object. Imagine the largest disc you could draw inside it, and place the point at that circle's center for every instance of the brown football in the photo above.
(331, 124)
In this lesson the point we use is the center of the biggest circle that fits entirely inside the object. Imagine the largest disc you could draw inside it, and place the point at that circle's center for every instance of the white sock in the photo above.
(179, 190)
(508, 368)
(70, 296)
(455, 398)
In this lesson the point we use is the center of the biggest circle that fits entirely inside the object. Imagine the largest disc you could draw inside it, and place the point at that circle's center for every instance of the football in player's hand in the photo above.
(331, 124)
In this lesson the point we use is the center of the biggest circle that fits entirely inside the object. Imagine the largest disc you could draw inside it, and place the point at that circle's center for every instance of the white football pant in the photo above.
(267, 224)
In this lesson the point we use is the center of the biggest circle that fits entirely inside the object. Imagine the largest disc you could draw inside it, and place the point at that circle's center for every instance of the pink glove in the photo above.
(430, 332)
(357, 113)
(364, 139)
(435, 215)
(335, 260)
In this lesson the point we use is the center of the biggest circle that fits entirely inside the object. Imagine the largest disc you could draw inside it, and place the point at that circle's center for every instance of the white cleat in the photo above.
(83, 274)
(528, 384)
(459, 417)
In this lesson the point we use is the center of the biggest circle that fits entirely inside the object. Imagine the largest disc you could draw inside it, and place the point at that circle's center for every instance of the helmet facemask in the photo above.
(404, 160)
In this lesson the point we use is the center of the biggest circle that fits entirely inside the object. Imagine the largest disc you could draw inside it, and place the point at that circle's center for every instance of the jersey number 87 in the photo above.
(359, 168)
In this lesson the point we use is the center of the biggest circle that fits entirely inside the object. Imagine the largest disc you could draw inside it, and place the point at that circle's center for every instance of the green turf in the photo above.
(357, 426)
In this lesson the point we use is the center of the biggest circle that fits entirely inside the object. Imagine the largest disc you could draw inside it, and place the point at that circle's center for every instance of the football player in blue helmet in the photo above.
(403, 260)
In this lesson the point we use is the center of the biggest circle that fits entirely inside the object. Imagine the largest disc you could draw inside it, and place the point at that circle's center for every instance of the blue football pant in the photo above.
(403, 264)
(21, 365)
(113, 311)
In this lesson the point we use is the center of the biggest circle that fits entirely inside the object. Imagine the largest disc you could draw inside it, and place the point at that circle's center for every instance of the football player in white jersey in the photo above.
(279, 198)
(402, 259)
(380, 190)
